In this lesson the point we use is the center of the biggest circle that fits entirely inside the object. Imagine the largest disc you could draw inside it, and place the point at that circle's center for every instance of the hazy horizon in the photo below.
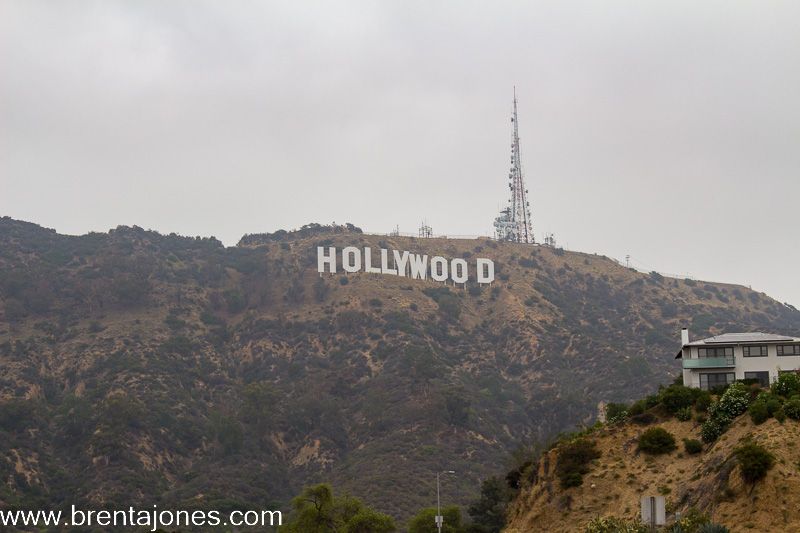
(667, 132)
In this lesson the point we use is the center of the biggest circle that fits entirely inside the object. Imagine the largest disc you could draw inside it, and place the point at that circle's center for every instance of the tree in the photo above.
(457, 407)
(488, 513)
(228, 433)
(369, 521)
(259, 401)
(317, 510)
(425, 521)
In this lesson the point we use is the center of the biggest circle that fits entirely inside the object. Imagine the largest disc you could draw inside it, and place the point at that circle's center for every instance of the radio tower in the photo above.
(514, 222)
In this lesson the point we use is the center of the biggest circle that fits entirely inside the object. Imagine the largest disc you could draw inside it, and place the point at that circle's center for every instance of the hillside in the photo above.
(137, 364)
(709, 482)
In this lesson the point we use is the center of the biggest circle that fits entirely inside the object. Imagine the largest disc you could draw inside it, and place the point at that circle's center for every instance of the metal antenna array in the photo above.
(425, 231)
(514, 222)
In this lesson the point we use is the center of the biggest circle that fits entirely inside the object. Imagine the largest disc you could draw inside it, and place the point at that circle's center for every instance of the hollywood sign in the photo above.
(404, 264)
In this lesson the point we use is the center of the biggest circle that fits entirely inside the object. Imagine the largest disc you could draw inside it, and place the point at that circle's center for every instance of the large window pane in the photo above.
(754, 351)
(709, 381)
(762, 377)
(789, 349)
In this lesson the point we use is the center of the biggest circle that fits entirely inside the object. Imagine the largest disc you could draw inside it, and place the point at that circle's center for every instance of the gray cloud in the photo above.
(669, 131)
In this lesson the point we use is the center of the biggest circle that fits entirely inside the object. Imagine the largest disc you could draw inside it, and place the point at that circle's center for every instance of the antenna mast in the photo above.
(514, 222)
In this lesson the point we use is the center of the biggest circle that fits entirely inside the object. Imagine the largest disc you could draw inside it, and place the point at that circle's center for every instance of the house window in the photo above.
(762, 377)
(754, 351)
(715, 352)
(709, 381)
(789, 349)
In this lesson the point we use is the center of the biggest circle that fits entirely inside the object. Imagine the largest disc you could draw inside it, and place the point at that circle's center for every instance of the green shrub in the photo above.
(643, 419)
(792, 409)
(616, 412)
(702, 400)
(773, 404)
(684, 414)
(711, 430)
(692, 446)
(787, 385)
(573, 461)
(610, 524)
(637, 408)
(656, 441)
(754, 461)
(713, 528)
(573, 479)
(759, 413)
(780, 415)
(690, 522)
(652, 400)
(677, 397)
(734, 401)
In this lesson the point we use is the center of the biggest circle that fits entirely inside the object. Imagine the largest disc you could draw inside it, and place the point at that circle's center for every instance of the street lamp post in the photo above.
(439, 518)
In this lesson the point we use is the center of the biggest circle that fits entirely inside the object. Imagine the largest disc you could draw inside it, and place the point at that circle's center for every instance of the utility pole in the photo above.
(439, 518)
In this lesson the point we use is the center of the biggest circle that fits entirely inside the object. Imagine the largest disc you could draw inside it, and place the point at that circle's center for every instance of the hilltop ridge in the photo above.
(243, 374)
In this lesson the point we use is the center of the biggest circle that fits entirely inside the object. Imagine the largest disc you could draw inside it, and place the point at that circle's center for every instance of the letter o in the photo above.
(351, 259)
(459, 271)
(439, 264)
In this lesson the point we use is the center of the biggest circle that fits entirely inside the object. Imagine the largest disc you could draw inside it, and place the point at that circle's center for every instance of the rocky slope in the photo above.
(709, 482)
(148, 368)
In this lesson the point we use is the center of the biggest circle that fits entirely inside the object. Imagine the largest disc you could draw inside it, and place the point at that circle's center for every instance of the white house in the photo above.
(724, 358)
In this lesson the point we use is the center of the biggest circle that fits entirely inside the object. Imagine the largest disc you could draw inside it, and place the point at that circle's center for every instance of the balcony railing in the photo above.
(710, 362)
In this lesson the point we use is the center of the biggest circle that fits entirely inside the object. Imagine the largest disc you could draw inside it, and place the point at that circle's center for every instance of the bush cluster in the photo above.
(656, 441)
(573, 461)
(692, 446)
(765, 406)
(693, 521)
(616, 412)
(787, 385)
(734, 401)
(754, 461)
(677, 397)
(611, 524)
(792, 408)
(711, 430)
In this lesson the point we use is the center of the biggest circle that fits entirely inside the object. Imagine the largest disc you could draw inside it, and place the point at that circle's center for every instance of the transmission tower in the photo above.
(514, 222)
(425, 230)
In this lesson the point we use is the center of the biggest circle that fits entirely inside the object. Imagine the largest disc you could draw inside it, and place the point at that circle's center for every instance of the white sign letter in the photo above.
(351, 259)
(488, 275)
(385, 263)
(368, 262)
(439, 268)
(329, 259)
(400, 262)
(419, 266)
(459, 271)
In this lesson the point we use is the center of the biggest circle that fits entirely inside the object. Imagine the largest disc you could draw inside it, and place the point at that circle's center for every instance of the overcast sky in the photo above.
(669, 131)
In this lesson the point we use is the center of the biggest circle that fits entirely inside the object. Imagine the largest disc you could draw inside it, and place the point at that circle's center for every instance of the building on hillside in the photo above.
(722, 359)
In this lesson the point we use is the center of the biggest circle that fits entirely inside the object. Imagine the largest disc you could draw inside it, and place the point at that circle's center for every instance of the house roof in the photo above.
(743, 338)
(739, 338)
